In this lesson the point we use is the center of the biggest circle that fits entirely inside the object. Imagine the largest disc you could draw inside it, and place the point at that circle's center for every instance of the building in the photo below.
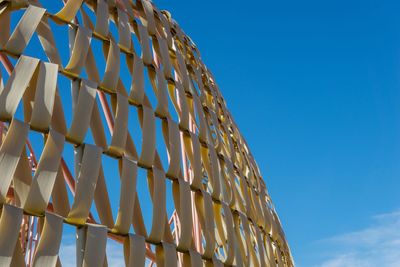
(127, 61)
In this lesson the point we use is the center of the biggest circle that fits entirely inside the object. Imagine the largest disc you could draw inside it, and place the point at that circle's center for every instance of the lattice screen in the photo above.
(124, 61)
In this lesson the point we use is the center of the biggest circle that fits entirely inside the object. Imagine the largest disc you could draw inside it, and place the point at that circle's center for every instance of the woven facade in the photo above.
(189, 149)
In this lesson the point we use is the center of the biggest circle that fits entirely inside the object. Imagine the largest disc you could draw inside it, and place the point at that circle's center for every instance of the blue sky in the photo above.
(314, 87)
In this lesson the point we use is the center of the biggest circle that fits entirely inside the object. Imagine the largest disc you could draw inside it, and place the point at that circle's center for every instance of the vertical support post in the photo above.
(80, 245)
(196, 225)
(187, 177)
(32, 232)
(1, 132)
(80, 231)
(74, 96)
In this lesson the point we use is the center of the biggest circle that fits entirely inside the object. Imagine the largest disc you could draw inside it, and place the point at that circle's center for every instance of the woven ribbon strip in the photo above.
(216, 186)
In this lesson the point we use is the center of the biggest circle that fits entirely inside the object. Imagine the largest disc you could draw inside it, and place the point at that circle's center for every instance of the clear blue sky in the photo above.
(315, 89)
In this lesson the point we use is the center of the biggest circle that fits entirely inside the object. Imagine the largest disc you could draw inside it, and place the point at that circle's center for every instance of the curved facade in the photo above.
(78, 75)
